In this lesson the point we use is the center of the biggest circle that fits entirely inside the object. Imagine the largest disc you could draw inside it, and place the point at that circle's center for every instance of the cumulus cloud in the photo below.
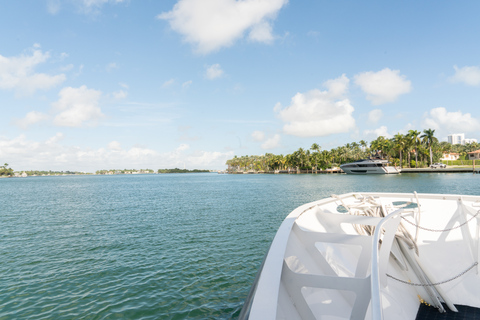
(214, 71)
(375, 115)
(271, 143)
(383, 86)
(212, 24)
(115, 146)
(51, 154)
(382, 131)
(77, 106)
(208, 159)
(258, 135)
(442, 120)
(319, 113)
(467, 75)
(18, 73)
(31, 118)
(262, 32)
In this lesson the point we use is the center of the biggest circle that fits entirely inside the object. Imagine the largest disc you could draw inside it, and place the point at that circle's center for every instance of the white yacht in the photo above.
(392, 256)
(369, 166)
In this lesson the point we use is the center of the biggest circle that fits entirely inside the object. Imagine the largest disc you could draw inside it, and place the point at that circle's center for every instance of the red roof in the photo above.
(476, 151)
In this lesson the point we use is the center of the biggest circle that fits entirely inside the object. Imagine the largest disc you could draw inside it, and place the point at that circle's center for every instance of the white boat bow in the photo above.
(372, 256)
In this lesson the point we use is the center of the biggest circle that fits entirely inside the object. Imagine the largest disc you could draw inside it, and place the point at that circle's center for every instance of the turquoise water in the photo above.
(174, 246)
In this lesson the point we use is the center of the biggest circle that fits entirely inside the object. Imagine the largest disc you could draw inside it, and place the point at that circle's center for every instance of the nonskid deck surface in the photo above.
(464, 313)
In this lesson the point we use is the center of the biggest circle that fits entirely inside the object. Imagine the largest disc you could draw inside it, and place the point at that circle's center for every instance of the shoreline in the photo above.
(339, 171)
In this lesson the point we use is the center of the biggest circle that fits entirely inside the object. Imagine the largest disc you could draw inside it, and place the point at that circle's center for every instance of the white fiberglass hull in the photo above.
(327, 263)
(373, 170)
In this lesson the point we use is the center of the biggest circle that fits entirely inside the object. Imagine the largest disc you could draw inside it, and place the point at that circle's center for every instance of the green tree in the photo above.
(428, 137)
(315, 147)
(399, 143)
(415, 141)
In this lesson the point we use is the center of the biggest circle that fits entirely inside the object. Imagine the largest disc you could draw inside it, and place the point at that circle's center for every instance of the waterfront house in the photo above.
(450, 156)
(474, 155)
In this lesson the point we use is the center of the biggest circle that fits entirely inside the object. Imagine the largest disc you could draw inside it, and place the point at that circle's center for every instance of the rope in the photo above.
(444, 230)
(433, 284)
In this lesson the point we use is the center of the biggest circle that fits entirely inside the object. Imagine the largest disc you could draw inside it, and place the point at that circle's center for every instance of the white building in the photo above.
(450, 156)
(456, 138)
(459, 138)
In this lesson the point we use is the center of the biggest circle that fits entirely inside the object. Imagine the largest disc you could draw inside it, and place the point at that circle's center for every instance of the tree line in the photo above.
(5, 171)
(414, 149)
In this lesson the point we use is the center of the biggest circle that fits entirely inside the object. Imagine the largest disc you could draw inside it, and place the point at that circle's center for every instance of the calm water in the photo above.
(171, 246)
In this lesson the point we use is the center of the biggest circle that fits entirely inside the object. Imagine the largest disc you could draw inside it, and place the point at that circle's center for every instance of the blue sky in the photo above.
(97, 84)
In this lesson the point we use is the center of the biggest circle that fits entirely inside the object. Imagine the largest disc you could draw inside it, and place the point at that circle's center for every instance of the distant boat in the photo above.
(392, 256)
(369, 166)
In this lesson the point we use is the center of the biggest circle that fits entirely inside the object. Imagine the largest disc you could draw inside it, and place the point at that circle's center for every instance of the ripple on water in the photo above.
(155, 246)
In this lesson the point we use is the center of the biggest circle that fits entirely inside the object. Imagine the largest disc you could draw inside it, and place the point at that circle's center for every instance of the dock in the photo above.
(444, 170)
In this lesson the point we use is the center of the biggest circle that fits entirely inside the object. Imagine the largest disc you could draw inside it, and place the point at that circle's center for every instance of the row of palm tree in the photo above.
(400, 150)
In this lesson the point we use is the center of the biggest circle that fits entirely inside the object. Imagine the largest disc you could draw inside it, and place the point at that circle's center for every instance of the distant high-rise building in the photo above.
(459, 138)
(456, 138)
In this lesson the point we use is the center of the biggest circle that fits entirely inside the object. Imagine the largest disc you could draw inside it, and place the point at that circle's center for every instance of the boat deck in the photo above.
(464, 313)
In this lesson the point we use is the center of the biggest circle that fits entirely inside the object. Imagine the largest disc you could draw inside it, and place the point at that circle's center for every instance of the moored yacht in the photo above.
(369, 166)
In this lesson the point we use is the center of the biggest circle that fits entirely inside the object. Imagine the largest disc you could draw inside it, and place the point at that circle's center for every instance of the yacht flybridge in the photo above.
(369, 166)
(373, 256)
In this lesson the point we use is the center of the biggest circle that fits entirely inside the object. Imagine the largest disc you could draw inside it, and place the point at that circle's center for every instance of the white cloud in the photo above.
(66, 68)
(214, 71)
(207, 159)
(375, 115)
(168, 83)
(382, 131)
(447, 122)
(212, 24)
(271, 143)
(31, 118)
(93, 6)
(262, 32)
(120, 94)
(319, 113)
(55, 139)
(183, 147)
(24, 154)
(77, 106)
(18, 73)
(467, 75)
(258, 135)
(187, 84)
(383, 86)
(115, 146)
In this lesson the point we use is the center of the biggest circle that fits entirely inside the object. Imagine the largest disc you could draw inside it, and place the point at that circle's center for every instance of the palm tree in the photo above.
(413, 136)
(428, 137)
(364, 144)
(399, 140)
(380, 145)
(315, 147)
